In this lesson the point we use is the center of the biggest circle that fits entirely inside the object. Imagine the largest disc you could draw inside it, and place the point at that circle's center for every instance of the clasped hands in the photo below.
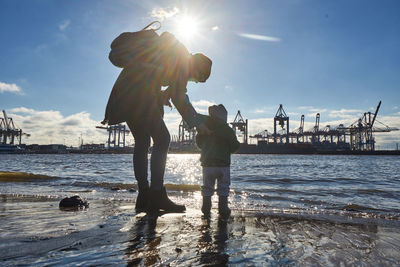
(165, 100)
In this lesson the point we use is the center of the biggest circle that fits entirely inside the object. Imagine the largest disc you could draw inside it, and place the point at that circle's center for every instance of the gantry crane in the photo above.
(115, 134)
(358, 136)
(315, 130)
(361, 131)
(186, 134)
(299, 132)
(261, 136)
(241, 125)
(9, 132)
(283, 120)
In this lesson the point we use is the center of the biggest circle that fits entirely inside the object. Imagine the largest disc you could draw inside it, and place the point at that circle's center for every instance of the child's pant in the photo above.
(223, 177)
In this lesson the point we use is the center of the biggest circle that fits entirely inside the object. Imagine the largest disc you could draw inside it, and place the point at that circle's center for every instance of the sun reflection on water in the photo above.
(183, 169)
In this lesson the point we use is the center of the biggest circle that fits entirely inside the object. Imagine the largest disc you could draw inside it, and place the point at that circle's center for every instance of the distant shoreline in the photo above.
(130, 151)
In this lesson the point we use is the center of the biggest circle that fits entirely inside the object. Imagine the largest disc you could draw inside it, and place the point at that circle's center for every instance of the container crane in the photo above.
(9, 132)
(315, 137)
(261, 136)
(242, 125)
(361, 131)
(283, 120)
(361, 137)
(115, 134)
(299, 132)
(186, 134)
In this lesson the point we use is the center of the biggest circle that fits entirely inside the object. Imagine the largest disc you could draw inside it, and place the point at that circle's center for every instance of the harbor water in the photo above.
(287, 210)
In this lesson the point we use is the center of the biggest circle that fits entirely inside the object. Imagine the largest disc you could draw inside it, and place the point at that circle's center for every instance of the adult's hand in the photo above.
(165, 97)
(202, 129)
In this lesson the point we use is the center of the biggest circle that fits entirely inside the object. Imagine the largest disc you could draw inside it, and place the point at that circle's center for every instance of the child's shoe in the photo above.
(206, 207)
(223, 208)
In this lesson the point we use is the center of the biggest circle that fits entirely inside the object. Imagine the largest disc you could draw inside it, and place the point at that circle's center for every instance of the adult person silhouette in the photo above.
(137, 98)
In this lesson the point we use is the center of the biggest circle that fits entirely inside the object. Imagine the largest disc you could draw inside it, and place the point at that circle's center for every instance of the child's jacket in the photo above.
(216, 149)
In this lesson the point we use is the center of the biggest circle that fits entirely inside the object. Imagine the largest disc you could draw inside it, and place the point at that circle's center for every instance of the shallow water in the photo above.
(287, 210)
(306, 182)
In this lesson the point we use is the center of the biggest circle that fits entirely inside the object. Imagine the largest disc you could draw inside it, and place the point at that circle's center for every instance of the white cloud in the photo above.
(164, 13)
(318, 110)
(201, 106)
(312, 111)
(22, 110)
(203, 103)
(387, 140)
(305, 107)
(345, 113)
(260, 37)
(172, 119)
(58, 38)
(262, 110)
(10, 87)
(258, 125)
(342, 114)
(215, 28)
(259, 111)
(203, 111)
(64, 24)
(312, 114)
(50, 126)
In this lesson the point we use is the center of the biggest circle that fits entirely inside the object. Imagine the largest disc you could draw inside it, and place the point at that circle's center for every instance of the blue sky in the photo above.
(338, 58)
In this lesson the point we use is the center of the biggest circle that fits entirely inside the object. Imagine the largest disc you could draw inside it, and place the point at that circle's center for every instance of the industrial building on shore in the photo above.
(357, 138)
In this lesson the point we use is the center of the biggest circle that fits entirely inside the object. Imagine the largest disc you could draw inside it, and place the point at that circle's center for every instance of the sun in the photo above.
(187, 28)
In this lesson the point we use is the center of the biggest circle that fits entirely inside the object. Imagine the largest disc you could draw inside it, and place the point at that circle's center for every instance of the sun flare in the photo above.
(187, 28)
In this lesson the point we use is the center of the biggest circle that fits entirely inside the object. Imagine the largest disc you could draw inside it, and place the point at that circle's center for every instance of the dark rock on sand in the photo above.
(73, 203)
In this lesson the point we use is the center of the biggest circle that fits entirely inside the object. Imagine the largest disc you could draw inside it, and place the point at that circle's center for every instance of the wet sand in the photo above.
(33, 231)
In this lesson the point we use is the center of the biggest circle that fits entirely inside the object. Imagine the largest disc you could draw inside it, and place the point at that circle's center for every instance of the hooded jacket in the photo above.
(216, 148)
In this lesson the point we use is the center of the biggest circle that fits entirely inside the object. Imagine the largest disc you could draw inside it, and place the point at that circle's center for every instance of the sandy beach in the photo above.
(35, 232)
(280, 216)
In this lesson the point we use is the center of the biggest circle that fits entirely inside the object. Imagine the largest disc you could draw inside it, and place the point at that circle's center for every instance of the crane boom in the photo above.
(376, 113)
(302, 124)
(6, 120)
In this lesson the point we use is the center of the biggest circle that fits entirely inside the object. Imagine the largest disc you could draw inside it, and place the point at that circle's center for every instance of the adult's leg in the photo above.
(161, 138)
(140, 165)
(140, 154)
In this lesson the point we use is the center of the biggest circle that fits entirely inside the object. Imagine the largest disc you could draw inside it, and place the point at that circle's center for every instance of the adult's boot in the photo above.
(153, 205)
(206, 207)
(223, 208)
(142, 200)
(167, 205)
